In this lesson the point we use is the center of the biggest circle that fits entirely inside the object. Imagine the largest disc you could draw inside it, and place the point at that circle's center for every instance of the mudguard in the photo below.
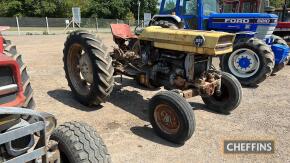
(281, 52)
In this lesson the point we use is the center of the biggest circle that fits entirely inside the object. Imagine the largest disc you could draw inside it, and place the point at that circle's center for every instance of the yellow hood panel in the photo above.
(216, 43)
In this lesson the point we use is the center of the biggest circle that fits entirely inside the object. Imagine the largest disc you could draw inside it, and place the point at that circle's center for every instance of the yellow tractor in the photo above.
(179, 60)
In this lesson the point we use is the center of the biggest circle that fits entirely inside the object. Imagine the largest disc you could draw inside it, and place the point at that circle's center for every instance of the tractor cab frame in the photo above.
(194, 13)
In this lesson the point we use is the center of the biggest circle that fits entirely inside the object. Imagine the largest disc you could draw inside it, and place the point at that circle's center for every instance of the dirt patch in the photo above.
(122, 121)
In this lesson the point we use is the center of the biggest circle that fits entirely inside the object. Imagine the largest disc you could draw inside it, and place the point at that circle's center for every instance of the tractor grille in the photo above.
(8, 86)
(264, 32)
(6, 76)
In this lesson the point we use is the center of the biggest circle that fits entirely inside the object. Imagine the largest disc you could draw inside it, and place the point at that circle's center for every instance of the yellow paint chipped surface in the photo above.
(183, 40)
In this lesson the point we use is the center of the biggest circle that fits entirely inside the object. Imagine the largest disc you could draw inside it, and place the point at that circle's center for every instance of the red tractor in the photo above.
(15, 87)
(30, 136)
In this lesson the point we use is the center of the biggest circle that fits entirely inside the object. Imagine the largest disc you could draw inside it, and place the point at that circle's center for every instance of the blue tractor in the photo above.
(257, 52)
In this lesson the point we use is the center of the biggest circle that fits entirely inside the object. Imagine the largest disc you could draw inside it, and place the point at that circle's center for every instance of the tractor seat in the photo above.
(122, 31)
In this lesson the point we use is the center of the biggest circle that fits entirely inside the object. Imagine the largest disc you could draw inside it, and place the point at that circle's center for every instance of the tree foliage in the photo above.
(113, 9)
(279, 3)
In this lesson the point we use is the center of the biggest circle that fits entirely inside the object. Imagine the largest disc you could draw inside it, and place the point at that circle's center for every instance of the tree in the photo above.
(146, 6)
(111, 9)
(277, 3)
(130, 17)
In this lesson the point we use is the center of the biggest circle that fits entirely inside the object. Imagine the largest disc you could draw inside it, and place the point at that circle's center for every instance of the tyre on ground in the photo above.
(251, 61)
(11, 51)
(229, 98)
(80, 143)
(88, 68)
(171, 117)
(281, 41)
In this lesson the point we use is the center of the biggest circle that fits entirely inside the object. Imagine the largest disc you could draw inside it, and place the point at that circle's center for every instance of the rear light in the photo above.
(1, 44)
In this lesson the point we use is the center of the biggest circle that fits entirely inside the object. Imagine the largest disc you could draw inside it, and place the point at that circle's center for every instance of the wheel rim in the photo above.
(244, 63)
(166, 119)
(80, 69)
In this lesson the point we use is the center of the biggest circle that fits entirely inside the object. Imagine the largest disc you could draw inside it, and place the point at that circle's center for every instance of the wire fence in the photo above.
(52, 26)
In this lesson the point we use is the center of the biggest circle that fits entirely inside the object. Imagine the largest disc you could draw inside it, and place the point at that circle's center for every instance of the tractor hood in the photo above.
(191, 41)
(237, 22)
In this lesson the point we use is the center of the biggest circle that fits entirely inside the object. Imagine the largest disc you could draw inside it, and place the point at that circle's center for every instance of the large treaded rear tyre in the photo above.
(171, 117)
(165, 24)
(88, 68)
(264, 55)
(230, 97)
(281, 41)
(11, 51)
(80, 143)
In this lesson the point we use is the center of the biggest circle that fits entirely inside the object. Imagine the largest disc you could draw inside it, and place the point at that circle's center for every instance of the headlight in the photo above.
(50, 122)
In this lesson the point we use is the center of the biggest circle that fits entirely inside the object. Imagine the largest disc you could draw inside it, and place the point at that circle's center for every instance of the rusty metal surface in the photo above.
(190, 93)
(53, 154)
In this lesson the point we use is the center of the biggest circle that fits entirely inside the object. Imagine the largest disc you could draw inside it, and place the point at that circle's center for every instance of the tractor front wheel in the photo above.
(78, 142)
(171, 117)
(229, 98)
(281, 41)
(88, 68)
(251, 62)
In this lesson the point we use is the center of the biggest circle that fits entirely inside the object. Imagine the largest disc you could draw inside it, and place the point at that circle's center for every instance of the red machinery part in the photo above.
(283, 26)
(1, 45)
(122, 31)
(9, 62)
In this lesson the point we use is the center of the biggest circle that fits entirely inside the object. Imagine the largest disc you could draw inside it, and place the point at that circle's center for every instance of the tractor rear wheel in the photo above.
(251, 62)
(281, 41)
(88, 68)
(166, 24)
(11, 51)
(171, 117)
(78, 142)
(229, 98)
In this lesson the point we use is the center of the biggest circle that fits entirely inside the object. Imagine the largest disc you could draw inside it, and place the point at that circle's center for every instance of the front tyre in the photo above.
(280, 41)
(78, 142)
(229, 98)
(251, 62)
(171, 117)
(88, 68)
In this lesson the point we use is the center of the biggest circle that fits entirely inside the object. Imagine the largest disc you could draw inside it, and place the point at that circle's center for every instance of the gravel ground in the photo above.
(122, 122)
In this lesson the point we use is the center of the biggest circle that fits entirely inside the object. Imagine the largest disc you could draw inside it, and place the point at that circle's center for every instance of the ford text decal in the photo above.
(245, 20)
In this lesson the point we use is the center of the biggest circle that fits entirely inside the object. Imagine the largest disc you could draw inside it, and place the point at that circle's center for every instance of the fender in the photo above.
(245, 34)
(175, 18)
